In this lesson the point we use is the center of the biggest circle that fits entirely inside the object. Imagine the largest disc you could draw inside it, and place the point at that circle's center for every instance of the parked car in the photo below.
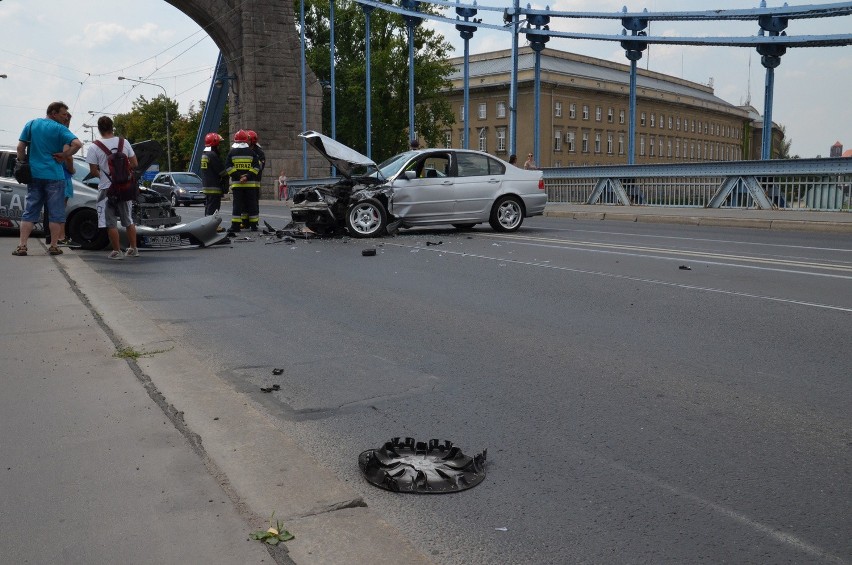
(158, 225)
(417, 188)
(179, 188)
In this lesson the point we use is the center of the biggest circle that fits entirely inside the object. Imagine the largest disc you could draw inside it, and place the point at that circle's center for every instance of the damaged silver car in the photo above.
(417, 188)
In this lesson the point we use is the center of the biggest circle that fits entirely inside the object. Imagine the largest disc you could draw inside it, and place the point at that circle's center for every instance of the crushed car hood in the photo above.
(344, 159)
(146, 153)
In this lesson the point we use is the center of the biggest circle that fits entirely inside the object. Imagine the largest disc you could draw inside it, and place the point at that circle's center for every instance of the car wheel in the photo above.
(507, 214)
(463, 227)
(366, 219)
(174, 200)
(83, 229)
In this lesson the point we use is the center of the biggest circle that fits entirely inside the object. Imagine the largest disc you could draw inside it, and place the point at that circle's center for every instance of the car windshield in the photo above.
(186, 179)
(392, 166)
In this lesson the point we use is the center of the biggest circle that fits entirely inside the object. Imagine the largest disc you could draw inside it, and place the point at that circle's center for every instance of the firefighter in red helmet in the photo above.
(213, 178)
(243, 168)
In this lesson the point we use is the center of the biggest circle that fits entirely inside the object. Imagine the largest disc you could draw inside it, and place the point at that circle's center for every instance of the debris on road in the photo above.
(369, 252)
(270, 388)
(685, 268)
(421, 468)
(277, 371)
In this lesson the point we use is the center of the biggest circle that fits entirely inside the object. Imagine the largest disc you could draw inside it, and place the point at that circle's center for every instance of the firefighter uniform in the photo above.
(214, 180)
(243, 168)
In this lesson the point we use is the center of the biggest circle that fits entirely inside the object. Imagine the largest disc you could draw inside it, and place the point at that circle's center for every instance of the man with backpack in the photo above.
(113, 160)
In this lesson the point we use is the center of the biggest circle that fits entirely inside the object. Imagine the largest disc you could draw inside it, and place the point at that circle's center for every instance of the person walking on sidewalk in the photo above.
(110, 212)
(282, 186)
(243, 167)
(46, 143)
(213, 177)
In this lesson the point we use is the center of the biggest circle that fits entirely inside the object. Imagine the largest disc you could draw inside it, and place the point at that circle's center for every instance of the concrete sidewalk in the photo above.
(146, 459)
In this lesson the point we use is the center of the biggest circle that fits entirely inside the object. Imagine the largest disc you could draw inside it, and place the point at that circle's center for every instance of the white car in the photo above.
(417, 188)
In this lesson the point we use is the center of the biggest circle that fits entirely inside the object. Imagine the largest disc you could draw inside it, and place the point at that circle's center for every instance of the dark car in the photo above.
(179, 188)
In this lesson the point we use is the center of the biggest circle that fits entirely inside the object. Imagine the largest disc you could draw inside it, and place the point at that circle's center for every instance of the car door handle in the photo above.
(493, 181)
(6, 188)
(447, 183)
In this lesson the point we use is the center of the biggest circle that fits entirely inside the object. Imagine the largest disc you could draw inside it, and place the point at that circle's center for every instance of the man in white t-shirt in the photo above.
(110, 213)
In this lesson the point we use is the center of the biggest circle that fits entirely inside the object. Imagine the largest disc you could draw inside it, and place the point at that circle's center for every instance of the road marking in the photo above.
(704, 239)
(624, 277)
(520, 239)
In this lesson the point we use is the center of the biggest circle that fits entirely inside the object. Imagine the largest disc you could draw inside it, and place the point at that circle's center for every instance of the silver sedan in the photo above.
(418, 188)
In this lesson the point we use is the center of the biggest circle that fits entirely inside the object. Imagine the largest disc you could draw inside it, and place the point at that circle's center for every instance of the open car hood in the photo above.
(344, 159)
(146, 153)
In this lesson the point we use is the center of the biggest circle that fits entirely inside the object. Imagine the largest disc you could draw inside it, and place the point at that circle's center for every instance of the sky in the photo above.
(75, 52)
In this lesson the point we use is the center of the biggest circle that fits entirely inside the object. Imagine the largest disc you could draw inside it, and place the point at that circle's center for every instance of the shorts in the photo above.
(110, 214)
(41, 192)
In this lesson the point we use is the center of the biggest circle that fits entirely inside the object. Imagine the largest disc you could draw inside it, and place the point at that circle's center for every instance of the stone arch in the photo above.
(260, 44)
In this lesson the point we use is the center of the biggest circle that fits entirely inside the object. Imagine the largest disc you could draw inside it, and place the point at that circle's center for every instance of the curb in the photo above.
(261, 468)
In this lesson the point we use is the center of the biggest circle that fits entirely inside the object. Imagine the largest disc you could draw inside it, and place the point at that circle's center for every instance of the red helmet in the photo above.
(212, 139)
(252, 136)
(241, 136)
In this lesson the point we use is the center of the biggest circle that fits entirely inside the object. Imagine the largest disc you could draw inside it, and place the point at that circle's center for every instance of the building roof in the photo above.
(573, 65)
(837, 144)
(847, 153)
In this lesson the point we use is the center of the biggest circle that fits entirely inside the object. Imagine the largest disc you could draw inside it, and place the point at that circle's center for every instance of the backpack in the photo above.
(123, 185)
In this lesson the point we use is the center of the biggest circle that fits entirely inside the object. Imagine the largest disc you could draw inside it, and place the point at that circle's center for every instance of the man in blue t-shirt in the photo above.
(49, 143)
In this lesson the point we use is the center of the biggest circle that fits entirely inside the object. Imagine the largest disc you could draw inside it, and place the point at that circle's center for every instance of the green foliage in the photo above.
(389, 76)
(275, 534)
(147, 120)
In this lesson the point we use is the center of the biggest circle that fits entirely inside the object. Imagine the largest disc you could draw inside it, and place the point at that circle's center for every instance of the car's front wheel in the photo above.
(83, 229)
(367, 218)
(507, 214)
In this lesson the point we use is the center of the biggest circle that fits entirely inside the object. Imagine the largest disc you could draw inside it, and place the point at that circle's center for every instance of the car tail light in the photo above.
(541, 184)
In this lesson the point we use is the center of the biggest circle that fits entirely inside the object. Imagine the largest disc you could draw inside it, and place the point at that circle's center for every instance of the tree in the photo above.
(389, 76)
(784, 145)
(147, 120)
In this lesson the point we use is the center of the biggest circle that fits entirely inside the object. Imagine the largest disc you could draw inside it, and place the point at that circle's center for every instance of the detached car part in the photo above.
(423, 468)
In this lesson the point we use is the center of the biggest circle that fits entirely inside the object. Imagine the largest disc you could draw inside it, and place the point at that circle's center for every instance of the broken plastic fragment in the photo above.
(277, 371)
(685, 268)
(369, 252)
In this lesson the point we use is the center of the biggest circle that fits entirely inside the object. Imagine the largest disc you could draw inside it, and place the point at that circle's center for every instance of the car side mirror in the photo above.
(410, 175)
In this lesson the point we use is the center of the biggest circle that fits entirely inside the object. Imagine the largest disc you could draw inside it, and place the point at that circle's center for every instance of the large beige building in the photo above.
(584, 112)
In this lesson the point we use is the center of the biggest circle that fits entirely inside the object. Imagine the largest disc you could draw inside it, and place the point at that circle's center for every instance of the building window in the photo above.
(693, 126)
(677, 149)
(670, 123)
(609, 144)
(642, 119)
(482, 111)
(483, 139)
(652, 119)
(705, 128)
(598, 114)
(585, 147)
(662, 122)
(651, 148)
(597, 143)
(641, 145)
(660, 141)
(569, 139)
(621, 144)
(501, 139)
(670, 149)
(557, 140)
(585, 112)
(448, 139)
(621, 116)
(572, 111)
(557, 109)
(678, 124)
(610, 115)
(501, 109)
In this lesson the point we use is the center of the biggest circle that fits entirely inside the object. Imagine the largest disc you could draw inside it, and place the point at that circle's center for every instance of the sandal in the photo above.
(20, 251)
(53, 250)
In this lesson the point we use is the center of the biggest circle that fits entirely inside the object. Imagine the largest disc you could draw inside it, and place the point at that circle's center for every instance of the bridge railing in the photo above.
(813, 184)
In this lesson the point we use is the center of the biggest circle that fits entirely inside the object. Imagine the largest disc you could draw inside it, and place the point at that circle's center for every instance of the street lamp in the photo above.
(168, 133)
(91, 132)
(92, 112)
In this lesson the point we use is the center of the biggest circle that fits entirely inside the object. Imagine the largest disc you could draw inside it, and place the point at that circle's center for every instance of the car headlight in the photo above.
(180, 190)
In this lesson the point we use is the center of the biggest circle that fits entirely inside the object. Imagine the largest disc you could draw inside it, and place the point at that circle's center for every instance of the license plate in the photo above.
(156, 240)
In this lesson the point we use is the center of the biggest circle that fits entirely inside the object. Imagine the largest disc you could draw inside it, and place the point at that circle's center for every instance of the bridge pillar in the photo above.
(260, 44)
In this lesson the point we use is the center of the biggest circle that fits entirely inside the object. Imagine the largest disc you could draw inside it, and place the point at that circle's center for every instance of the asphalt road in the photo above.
(646, 392)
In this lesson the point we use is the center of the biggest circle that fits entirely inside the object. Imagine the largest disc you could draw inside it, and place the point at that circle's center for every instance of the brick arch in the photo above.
(259, 41)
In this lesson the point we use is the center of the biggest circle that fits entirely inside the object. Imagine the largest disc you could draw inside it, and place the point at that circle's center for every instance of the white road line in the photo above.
(625, 277)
